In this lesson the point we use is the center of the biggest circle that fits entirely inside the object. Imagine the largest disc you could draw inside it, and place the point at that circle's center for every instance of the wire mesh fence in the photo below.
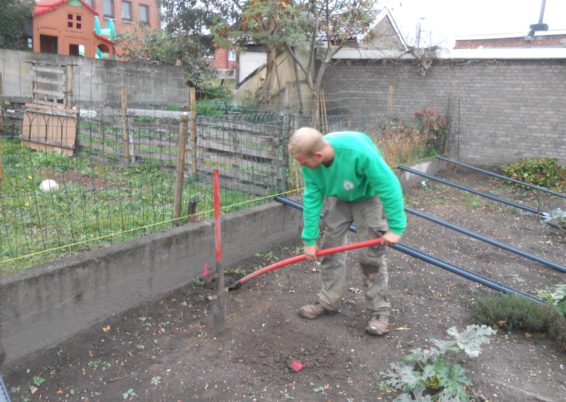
(81, 178)
(116, 179)
(84, 165)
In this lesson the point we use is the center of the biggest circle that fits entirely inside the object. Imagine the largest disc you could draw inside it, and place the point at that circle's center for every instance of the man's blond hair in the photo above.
(306, 141)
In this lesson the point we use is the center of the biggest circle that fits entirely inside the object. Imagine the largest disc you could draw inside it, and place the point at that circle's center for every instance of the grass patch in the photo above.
(96, 204)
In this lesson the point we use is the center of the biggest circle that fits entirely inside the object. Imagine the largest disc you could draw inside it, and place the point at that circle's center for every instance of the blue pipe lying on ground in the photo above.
(500, 176)
(437, 262)
(471, 190)
(4, 397)
(477, 236)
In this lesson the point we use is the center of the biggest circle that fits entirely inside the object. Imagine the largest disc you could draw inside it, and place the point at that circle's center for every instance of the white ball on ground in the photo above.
(48, 185)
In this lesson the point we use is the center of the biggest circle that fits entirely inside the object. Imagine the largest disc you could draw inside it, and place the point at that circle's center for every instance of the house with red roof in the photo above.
(67, 27)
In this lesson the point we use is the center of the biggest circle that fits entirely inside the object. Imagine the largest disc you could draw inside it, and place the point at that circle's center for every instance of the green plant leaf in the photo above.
(403, 377)
(452, 378)
(473, 337)
(37, 380)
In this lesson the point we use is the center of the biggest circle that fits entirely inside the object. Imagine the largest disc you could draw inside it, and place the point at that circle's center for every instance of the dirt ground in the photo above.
(164, 350)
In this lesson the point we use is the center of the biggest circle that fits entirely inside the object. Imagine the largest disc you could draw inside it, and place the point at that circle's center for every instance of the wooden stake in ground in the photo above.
(125, 136)
(193, 130)
(219, 308)
(180, 173)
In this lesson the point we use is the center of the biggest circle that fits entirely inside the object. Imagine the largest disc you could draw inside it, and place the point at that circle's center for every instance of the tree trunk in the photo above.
(316, 95)
(265, 94)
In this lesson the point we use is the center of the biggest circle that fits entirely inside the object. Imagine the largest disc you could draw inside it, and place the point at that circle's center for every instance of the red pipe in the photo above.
(298, 258)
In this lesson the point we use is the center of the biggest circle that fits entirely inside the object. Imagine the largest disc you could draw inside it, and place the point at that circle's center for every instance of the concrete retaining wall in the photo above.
(97, 82)
(43, 305)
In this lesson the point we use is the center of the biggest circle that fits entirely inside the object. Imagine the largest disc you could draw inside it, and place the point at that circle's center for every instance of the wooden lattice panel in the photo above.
(50, 128)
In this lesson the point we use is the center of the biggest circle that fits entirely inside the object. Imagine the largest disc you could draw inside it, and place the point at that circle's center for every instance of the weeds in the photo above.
(472, 201)
(555, 296)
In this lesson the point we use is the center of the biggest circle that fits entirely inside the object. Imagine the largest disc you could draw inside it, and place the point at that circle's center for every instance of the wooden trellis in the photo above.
(50, 121)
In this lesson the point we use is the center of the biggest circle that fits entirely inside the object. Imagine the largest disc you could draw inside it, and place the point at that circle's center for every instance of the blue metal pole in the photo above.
(4, 397)
(471, 190)
(500, 176)
(477, 236)
(464, 273)
(435, 261)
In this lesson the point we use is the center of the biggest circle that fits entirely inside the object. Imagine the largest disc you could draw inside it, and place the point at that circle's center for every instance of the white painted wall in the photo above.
(249, 61)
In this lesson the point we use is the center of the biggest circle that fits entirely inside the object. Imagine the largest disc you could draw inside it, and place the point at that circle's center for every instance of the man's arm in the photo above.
(389, 190)
(312, 207)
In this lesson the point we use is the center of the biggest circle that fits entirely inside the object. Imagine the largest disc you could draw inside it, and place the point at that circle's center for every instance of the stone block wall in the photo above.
(498, 111)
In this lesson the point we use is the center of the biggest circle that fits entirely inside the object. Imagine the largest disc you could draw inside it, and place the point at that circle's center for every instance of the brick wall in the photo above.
(498, 111)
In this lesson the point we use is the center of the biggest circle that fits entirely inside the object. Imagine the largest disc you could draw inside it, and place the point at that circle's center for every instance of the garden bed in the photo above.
(164, 350)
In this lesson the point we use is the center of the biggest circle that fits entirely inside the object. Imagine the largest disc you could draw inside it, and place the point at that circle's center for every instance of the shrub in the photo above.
(544, 172)
(432, 127)
(515, 313)
(214, 92)
(400, 143)
(213, 107)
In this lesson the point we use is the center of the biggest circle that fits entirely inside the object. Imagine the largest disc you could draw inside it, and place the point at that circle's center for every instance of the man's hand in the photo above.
(390, 238)
(310, 252)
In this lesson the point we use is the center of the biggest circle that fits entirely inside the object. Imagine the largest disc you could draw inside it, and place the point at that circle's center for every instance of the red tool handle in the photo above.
(298, 258)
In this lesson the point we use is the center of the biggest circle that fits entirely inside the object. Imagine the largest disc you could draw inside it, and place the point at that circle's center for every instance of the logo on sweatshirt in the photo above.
(348, 185)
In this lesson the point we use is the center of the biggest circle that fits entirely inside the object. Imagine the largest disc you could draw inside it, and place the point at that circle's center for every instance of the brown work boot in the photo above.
(378, 325)
(312, 311)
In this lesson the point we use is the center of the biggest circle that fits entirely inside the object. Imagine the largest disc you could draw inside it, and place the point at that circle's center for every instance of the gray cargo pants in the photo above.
(370, 221)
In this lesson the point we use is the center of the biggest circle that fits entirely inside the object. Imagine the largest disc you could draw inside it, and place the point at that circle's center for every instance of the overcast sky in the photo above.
(442, 20)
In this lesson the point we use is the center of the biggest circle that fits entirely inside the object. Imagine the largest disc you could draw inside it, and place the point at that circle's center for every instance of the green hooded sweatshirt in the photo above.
(358, 172)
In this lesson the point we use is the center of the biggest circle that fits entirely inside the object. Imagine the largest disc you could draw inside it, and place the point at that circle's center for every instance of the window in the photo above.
(126, 10)
(77, 50)
(231, 55)
(109, 8)
(144, 14)
(74, 22)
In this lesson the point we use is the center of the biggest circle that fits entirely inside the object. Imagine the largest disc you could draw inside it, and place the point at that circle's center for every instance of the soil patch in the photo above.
(76, 178)
(164, 350)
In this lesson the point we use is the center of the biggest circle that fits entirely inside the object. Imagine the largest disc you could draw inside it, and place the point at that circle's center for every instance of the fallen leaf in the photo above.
(106, 328)
(528, 335)
(402, 329)
(501, 323)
